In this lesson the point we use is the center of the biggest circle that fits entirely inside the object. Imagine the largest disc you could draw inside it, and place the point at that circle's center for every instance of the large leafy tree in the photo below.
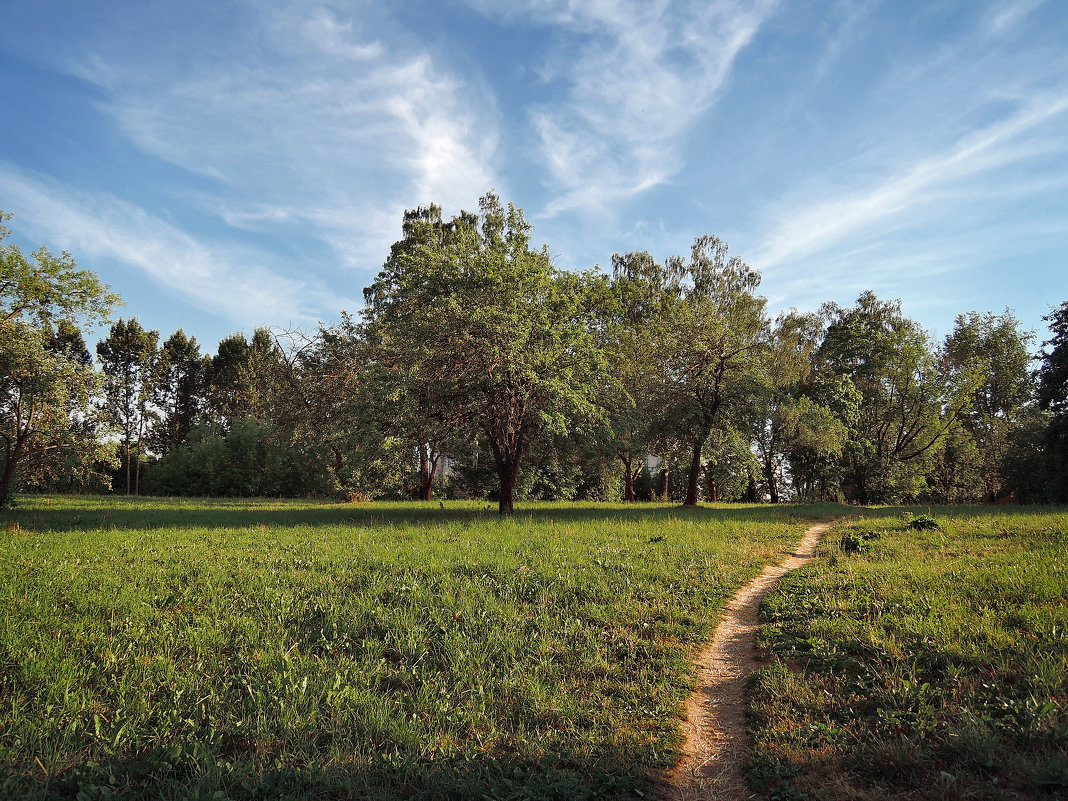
(778, 412)
(45, 382)
(709, 346)
(476, 326)
(404, 392)
(990, 355)
(907, 404)
(128, 359)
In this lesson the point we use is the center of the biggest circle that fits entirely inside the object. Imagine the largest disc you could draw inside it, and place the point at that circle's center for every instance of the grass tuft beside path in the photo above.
(915, 661)
(220, 649)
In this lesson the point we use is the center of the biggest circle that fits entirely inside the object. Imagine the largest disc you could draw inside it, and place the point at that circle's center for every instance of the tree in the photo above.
(45, 383)
(775, 405)
(990, 355)
(642, 294)
(483, 330)
(128, 359)
(181, 374)
(1052, 396)
(246, 379)
(907, 403)
(403, 394)
(708, 345)
(1052, 373)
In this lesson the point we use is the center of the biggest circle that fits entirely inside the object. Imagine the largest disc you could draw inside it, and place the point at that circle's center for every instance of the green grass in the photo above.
(920, 662)
(279, 649)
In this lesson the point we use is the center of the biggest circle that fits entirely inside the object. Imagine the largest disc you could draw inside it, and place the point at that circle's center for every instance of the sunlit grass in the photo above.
(193, 648)
(920, 663)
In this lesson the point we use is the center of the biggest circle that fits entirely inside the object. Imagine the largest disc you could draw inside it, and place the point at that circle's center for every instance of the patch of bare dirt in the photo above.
(716, 739)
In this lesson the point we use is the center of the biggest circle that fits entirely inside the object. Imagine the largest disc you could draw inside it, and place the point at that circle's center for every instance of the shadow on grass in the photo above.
(106, 512)
(212, 773)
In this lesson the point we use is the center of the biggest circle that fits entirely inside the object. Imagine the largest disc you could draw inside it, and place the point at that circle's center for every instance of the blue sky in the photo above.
(227, 164)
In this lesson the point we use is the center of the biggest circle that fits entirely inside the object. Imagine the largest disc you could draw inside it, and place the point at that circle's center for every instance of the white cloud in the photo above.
(1007, 16)
(307, 121)
(638, 76)
(226, 279)
(813, 226)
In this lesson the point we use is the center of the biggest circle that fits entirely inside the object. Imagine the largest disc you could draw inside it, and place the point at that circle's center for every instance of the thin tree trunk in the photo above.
(666, 485)
(127, 465)
(426, 473)
(695, 473)
(137, 468)
(628, 477)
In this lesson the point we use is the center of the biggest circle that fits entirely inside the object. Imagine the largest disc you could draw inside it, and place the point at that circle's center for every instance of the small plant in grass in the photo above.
(853, 542)
(921, 522)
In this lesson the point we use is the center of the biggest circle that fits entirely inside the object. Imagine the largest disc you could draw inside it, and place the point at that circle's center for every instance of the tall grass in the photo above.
(214, 649)
(920, 662)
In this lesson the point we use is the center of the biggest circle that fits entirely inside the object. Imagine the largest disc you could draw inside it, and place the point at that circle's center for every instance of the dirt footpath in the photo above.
(716, 739)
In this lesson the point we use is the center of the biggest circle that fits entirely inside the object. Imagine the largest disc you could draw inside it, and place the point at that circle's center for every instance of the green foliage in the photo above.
(45, 288)
(46, 379)
(128, 359)
(244, 378)
(920, 522)
(179, 391)
(906, 405)
(1053, 372)
(706, 329)
(473, 331)
(247, 650)
(989, 355)
(251, 459)
(928, 664)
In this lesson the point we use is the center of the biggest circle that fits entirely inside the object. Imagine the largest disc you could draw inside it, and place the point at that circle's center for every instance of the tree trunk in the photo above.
(769, 476)
(695, 473)
(507, 499)
(426, 473)
(666, 484)
(127, 465)
(506, 458)
(628, 477)
(337, 467)
(751, 490)
(7, 499)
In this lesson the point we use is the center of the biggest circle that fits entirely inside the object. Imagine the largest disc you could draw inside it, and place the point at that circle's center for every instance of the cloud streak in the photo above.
(637, 77)
(228, 280)
(321, 128)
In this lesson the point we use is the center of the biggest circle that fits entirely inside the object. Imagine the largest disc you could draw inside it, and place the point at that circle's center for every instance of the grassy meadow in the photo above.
(913, 663)
(161, 648)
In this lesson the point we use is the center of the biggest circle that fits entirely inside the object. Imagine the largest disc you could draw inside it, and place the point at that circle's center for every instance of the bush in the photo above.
(921, 522)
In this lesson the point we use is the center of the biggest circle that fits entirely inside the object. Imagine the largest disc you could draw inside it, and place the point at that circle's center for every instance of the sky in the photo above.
(224, 165)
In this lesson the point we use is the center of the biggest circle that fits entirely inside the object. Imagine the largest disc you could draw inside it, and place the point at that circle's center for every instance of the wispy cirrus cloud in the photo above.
(234, 282)
(635, 76)
(826, 223)
(309, 121)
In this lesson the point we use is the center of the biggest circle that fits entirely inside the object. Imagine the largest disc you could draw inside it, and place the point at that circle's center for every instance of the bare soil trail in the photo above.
(716, 739)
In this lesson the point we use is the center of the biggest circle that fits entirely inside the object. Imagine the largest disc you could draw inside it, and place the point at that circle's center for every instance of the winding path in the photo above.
(716, 739)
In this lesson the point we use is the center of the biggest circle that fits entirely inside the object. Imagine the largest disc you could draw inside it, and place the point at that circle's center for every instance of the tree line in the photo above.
(478, 369)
